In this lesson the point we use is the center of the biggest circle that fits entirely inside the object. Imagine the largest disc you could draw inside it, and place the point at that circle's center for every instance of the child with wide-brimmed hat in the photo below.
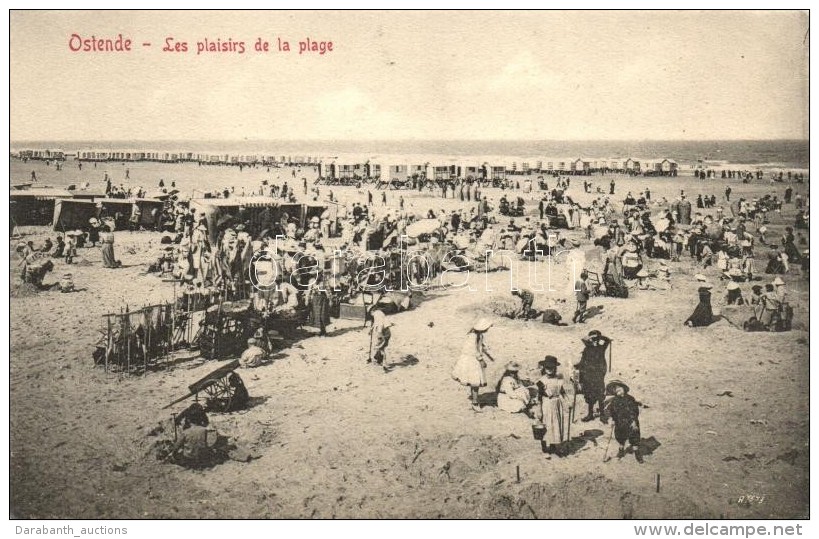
(622, 409)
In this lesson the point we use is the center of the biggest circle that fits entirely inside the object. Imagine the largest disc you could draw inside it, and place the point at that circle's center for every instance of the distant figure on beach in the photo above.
(611, 187)
(702, 315)
(33, 176)
(128, 174)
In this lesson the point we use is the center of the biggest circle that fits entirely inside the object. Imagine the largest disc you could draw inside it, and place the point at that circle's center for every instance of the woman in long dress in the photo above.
(469, 369)
(108, 258)
(380, 335)
(554, 405)
(319, 301)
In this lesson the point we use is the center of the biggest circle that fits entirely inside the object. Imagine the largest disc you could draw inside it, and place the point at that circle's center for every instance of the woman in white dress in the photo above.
(555, 405)
(470, 368)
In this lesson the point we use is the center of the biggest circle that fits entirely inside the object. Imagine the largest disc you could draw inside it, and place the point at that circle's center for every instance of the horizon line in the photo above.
(413, 140)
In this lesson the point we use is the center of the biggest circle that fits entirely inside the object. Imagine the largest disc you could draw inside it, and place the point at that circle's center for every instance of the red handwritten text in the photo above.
(77, 43)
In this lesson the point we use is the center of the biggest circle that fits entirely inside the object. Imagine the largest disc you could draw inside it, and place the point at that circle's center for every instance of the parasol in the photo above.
(424, 226)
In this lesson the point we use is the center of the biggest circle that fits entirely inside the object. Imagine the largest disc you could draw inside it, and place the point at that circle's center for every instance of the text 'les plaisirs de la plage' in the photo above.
(77, 43)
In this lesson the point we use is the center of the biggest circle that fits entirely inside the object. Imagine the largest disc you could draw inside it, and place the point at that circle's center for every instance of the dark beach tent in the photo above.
(35, 206)
(258, 212)
(150, 211)
(116, 207)
(73, 214)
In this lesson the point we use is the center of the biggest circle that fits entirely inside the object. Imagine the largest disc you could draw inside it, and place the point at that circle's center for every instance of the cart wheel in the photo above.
(219, 394)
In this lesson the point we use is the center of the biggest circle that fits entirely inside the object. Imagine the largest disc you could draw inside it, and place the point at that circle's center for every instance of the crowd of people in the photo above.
(551, 400)
(293, 267)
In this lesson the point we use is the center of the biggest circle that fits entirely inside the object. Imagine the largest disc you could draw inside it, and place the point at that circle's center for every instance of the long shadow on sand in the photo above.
(584, 438)
(406, 361)
(343, 331)
(489, 398)
(649, 445)
(593, 311)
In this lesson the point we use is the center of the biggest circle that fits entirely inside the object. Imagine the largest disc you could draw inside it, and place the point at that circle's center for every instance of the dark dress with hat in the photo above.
(702, 315)
(592, 370)
(319, 315)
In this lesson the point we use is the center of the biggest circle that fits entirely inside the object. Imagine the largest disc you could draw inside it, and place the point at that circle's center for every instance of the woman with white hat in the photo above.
(779, 287)
(734, 294)
(93, 231)
(513, 396)
(642, 280)
(469, 369)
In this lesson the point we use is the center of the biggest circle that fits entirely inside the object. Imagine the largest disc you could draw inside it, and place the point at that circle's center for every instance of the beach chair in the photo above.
(594, 282)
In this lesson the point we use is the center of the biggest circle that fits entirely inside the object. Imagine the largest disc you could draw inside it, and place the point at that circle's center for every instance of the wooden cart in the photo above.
(223, 388)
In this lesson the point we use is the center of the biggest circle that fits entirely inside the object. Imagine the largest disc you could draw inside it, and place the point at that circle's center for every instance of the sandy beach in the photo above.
(334, 438)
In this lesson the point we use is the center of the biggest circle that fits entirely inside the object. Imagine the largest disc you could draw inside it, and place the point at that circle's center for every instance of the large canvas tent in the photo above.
(71, 214)
(121, 210)
(259, 213)
(117, 209)
(34, 206)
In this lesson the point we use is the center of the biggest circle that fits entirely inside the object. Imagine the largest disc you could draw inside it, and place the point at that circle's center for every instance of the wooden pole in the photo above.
(657, 478)
(149, 314)
(517, 472)
(121, 347)
(109, 345)
(128, 342)
(611, 348)
(173, 317)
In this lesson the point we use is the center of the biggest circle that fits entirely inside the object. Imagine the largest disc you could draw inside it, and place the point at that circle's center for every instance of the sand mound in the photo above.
(585, 496)
(503, 306)
(24, 290)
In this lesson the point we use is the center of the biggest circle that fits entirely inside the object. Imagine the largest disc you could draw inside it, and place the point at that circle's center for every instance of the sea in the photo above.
(787, 154)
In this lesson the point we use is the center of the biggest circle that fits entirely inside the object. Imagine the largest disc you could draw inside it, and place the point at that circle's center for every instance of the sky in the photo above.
(625, 75)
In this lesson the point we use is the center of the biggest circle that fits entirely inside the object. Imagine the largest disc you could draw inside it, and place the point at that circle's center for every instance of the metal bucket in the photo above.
(538, 431)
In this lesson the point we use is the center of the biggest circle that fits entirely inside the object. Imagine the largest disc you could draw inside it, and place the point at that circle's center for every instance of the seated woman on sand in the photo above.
(513, 396)
(703, 315)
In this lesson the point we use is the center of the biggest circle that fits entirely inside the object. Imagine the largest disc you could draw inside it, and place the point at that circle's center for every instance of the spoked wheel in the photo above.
(219, 394)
